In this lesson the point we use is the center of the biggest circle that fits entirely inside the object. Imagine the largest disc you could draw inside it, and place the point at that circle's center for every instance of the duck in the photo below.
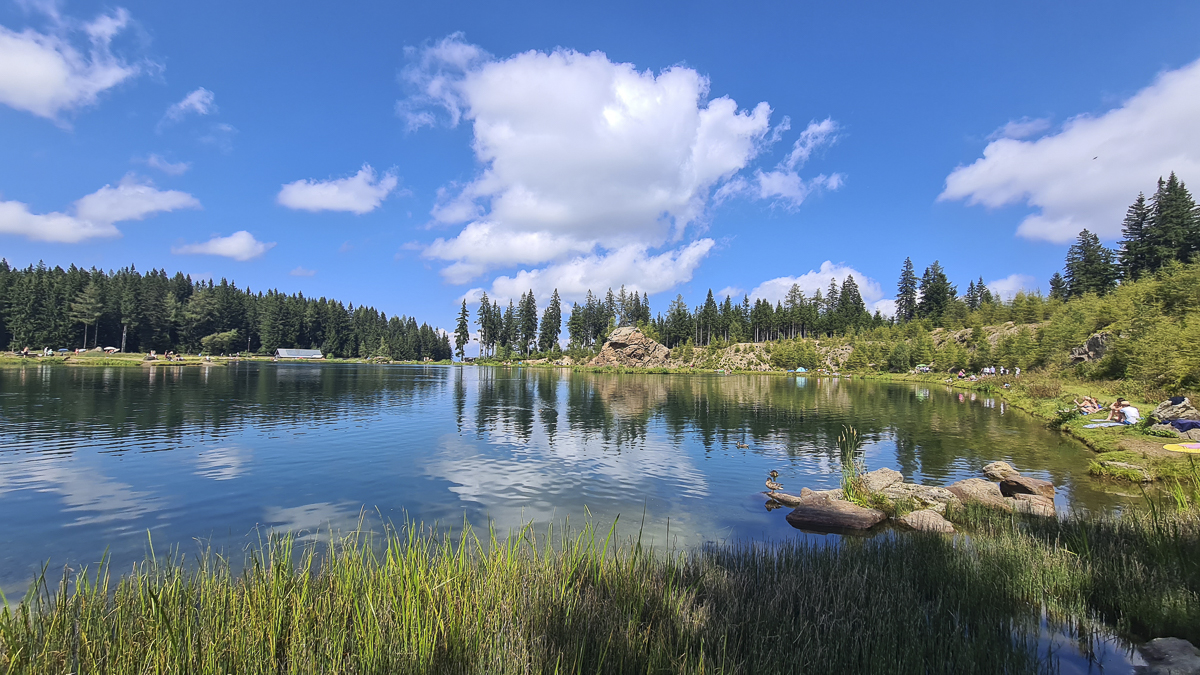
(771, 484)
(742, 445)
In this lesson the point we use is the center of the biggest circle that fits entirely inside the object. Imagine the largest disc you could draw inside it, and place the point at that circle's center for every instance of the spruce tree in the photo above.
(462, 333)
(486, 337)
(1058, 287)
(1175, 230)
(906, 293)
(1090, 268)
(551, 327)
(936, 293)
(528, 326)
(1137, 253)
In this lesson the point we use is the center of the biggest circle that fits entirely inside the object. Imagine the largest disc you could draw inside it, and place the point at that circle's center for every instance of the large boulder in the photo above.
(925, 496)
(1033, 504)
(1169, 656)
(980, 491)
(816, 512)
(877, 480)
(1000, 470)
(1015, 485)
(926, 520)
(1094, 349)
(630, 347)
(1167, 411)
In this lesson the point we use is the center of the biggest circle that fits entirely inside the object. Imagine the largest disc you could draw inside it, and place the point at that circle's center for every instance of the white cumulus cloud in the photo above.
(45, 74)
(198, 102)
(1087, 174)
(94, 215)
(776, 290)
(361, 193)
(1010, 285)
(240, 245)
(583, 158)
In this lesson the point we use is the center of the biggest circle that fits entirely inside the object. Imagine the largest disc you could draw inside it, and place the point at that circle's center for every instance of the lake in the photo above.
(91, 459)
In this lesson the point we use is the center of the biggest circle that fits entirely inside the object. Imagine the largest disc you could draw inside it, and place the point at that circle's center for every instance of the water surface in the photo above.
(93, 459)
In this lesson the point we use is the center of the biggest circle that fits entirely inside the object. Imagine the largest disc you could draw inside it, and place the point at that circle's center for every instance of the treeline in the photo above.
(52, 307)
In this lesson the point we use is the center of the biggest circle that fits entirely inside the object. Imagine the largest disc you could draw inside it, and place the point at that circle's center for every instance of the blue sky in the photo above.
(408, 156)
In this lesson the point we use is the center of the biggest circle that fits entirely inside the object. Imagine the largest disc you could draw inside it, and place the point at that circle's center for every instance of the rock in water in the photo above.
(818, 513)
(1000, 470)
(926, 496)
(1033, 504)
(980, 491)
(1169, 656)
(879, 479)
(1015, 485)
(630, 347)
(927, 520)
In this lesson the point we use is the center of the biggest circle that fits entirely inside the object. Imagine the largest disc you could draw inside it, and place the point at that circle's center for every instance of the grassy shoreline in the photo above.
(420, 601)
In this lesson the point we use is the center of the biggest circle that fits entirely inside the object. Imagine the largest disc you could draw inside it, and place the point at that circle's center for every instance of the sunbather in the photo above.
(1115, 410)
(1088, 405)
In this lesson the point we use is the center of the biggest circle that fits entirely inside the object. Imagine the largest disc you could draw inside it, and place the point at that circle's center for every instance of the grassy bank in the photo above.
(418, 602)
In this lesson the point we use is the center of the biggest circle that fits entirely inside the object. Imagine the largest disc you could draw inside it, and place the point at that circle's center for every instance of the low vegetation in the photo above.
(418, 601)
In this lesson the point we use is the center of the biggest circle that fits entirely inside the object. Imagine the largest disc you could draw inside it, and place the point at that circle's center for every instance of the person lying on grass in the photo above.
(1088, 405)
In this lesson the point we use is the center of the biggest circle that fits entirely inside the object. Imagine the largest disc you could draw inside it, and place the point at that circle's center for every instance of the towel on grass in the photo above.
(1103, 424)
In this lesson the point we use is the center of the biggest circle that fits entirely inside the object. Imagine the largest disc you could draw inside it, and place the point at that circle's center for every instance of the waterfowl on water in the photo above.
(743, 445)
(771, 484)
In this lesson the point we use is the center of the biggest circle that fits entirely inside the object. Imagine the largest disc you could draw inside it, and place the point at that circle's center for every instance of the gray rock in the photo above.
(1015, 485)
(1094, 349)
(877, 480)
(927, 520)
(1169, 656)
(980, 491)
(1000, 470)
(1033, 504)
(630, 347)
(827, 494)
(1192, 434)
(1164, 428)
(819, 513)
(926, 496)
(1180, 411)
(1128, 467)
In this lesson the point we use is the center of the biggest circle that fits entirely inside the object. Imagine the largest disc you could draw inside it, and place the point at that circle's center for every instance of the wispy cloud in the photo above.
(240, 246)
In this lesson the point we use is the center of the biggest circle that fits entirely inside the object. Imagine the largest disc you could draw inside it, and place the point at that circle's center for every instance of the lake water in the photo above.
(92, 459)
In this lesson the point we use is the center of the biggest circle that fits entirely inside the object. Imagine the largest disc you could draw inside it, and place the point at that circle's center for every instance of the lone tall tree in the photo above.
(462, 333)
(906, 293)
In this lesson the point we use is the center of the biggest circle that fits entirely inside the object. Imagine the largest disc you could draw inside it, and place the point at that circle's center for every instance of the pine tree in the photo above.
(906, 293)
(936, 293)
(851, 308)
(527, 322)
(1137, 253)
(486, 337)
(1175, 230)
(1090, 268)
(462, 333)
(87, 308)
(1058, 287)
(551, 327)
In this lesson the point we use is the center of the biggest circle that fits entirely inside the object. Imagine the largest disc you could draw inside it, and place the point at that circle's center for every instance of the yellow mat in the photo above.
(1193, 448)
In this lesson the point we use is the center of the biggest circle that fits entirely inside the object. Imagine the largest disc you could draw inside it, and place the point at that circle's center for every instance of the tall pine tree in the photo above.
(906, 293)
(1090, 268)
(1137, 254)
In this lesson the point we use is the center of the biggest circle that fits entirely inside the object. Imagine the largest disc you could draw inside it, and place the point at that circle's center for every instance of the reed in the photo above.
(414, 600)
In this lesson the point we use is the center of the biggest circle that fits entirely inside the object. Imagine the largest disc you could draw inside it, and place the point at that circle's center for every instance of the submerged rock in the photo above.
(1169, 656)
(926, 520)
(1000, 470)
(980, 491)
(1015, 485)
(630, 347)
(877, 480)
(816, 512)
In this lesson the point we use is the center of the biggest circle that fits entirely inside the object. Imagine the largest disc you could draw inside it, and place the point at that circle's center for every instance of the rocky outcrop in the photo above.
(1094, 349)
(1018, 484)
(879, 479)
(1125, 466)
(1169, 656)
(999, 470)
(1033, 504)
(926, 520)
(630, 347)
(925, 496)
(1167, 411)
(816, 512)
(980, 491)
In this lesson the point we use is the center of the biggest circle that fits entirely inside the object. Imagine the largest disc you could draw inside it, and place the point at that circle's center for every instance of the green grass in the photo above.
(414, 601)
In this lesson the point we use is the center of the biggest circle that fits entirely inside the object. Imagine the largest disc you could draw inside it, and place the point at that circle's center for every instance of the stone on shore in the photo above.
(1128, 467)
(927, 520)
(879, 479)
(1033, 504)
(1015, 485)
(826, 494)
(1169, 656)
(980, 491)
(1166, 411)
(816, 512)
(630, 347)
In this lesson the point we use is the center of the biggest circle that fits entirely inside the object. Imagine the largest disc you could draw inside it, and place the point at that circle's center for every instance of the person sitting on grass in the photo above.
(1114, 414)
(1129, 414)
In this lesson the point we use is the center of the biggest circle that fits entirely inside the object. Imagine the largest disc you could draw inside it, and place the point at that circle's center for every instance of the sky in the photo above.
(409, 157)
